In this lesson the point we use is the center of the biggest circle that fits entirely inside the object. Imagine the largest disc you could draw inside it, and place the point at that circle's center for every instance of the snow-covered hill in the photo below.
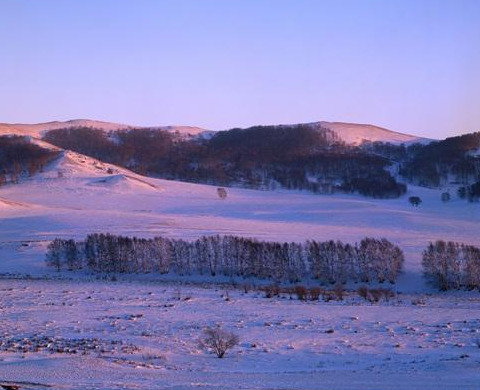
(356, 134)
(38, 129)
(351, 133)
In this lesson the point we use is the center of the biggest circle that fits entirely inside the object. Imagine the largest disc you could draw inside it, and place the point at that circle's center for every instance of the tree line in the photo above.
(452, 265)
(18, 156)
(330, 262)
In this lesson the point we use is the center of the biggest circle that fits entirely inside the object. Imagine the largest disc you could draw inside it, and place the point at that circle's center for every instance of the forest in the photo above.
(329, 262)
(291, 157)
(455, 160)
(260, 157)
(19, 157)
(452, 265)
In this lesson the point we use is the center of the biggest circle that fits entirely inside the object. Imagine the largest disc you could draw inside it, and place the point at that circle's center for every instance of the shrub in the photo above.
(271, 291)
(301, 292)
(415, 201)
(363, 292)
(222, 193)
(218, 341)
(314, 293)
(339, 291)
(387, 293)
(375, 294)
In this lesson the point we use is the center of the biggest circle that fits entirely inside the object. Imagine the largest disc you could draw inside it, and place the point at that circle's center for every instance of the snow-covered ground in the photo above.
(147, 338)
(150, 336)
(78, 195)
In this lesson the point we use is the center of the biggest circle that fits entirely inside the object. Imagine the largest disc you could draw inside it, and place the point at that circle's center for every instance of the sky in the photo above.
(411, 66)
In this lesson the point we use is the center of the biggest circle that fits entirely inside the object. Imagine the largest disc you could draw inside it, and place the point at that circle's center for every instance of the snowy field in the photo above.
(77, 196)
(147, 338)
(150, 337)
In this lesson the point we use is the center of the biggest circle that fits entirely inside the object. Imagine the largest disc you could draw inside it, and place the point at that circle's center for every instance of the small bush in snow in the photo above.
(222, 193)
(415, 201)
(375, 294)
(271, 291)
(301, 293)
(339, 291)
(218, 341)
(363, 292)
(314, 293)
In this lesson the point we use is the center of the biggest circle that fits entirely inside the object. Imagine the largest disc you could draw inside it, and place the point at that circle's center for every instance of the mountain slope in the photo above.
(350, 133)
(39, 129)
(356, 134)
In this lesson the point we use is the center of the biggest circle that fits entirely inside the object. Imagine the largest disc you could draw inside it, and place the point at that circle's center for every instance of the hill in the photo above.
(322, 157)
(356, 134)
(38, 130)
(350, 133)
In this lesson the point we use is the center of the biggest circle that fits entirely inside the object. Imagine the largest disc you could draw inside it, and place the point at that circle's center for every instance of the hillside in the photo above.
(38, 130)
(261, 157)
(350, 133)
(321, 157)
(356, 134)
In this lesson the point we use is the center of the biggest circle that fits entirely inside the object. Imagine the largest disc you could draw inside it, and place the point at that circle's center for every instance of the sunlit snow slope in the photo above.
(38, 129)
(354, 133)
(351, 133)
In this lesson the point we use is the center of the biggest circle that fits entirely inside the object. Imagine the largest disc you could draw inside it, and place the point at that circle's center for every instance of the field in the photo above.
(149, 329)
(119, 335)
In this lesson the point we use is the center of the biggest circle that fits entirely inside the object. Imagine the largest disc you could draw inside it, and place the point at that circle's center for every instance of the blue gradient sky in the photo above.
(411, 66)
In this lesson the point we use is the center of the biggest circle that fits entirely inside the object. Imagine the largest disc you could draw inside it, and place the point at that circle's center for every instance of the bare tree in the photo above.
(55, 254)
(415, 201)
(446, 197)
(218, 340)
(222, 193)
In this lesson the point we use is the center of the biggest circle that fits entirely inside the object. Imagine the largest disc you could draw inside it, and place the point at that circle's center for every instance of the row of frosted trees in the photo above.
(372, 260)
(452, 265)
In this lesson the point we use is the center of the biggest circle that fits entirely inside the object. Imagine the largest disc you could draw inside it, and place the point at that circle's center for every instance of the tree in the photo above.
(452, 265)
(445, 197)
(415, 201)
(222, 193)
(55, 254)
(218, 340)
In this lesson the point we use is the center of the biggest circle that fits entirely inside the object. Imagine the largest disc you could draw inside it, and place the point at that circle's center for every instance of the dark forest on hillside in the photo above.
(18, 156)
(261, 157)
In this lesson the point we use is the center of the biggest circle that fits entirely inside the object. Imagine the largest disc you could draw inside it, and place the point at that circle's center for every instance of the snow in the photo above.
(77, 195)
(354, 133)
(419, 340)
(38, 129)
(283, 343)
(351, 133)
